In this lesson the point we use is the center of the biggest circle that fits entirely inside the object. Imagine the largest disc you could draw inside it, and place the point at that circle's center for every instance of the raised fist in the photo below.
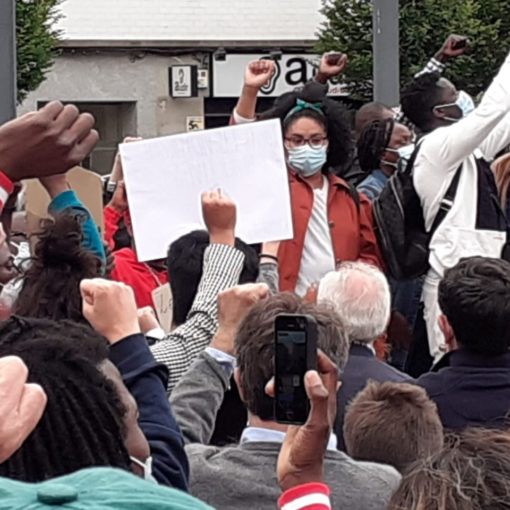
(258, 73)
(219, 213)
(47, 142)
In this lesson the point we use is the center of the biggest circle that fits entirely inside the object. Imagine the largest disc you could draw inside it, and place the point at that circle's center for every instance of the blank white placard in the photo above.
(166, 176)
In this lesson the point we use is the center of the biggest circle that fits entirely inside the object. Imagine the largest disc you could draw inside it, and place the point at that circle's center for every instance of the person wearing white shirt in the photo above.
(457, 138)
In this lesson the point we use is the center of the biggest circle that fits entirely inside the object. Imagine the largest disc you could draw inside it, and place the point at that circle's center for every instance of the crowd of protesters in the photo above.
(101, 407)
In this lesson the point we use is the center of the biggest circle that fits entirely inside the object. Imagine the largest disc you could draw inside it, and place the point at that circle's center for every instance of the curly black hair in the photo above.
(335, 120)
(419, 98)
(51, 284)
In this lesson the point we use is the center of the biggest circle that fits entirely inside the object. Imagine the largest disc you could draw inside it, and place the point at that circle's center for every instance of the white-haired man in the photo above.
(361, 296)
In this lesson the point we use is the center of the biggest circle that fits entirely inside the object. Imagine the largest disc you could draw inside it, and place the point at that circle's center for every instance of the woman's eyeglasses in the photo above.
(296, 141)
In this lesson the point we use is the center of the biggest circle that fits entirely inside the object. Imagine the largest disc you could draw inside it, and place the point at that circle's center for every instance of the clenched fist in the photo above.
(147, 319)
(258, 73)
(233, 306)
(47, 142)
(110, 308)
(219, 213)
(21, 405)
(333, 63)
(454, 46)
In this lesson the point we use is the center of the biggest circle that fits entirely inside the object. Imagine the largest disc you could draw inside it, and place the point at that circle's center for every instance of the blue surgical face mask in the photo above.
(465, 104)
(307, 160)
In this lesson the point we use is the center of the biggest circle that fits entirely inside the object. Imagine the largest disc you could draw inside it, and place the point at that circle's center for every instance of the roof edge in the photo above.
(201, 44)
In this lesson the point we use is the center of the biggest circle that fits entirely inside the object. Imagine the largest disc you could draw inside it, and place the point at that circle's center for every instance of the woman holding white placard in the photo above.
(332, 223)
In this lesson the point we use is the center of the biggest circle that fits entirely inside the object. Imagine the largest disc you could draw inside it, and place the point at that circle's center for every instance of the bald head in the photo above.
(370, 112)
(361, 296)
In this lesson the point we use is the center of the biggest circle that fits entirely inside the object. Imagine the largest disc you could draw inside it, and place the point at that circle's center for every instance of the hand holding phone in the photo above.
(301, 458)
(295, 354)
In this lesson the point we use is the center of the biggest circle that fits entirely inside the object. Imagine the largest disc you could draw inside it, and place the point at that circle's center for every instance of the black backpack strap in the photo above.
(447, 202)
(410, 162)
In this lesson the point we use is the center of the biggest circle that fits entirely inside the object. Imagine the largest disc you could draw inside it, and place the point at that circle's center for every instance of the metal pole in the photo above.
(7, 60)
(386, 52)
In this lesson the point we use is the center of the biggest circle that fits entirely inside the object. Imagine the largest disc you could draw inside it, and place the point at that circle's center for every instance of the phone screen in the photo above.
(292, 404)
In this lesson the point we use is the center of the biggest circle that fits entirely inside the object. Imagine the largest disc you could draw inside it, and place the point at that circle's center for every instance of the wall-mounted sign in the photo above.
(203, 78)
(194, 123)
(183, 81)
(292, 71)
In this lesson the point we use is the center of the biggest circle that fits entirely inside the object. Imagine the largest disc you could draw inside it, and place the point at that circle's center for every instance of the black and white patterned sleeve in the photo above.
(433, 66)
(222, 268)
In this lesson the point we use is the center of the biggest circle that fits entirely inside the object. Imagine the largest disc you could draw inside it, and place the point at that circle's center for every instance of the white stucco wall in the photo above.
(186, 20)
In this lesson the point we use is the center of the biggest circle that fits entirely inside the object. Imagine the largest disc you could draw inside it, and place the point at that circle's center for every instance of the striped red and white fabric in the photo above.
(311, 496)
(6, 188)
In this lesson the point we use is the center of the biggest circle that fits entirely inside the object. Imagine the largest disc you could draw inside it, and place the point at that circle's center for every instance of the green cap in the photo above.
(95, 488)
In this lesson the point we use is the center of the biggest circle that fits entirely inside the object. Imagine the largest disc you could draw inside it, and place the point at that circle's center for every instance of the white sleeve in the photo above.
(238, 119)
(497, 140)
(446, 148)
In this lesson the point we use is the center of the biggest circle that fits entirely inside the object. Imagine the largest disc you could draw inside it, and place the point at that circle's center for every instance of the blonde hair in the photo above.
(470, 473)
(501, 169)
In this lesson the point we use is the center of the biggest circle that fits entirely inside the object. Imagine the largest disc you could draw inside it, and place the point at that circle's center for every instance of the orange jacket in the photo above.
(351, 231)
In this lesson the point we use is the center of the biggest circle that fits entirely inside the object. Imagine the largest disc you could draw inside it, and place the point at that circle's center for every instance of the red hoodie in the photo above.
(138, 275)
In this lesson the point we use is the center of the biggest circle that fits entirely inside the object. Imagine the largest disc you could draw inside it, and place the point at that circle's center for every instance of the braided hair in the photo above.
(372, 143)
(51, 285)
(82, 424)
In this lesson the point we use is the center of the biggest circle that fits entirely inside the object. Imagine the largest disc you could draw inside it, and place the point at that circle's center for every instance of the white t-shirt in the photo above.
(318, 257)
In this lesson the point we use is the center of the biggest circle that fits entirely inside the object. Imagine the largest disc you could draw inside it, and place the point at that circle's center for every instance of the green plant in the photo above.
(36, 40)
(424, 25)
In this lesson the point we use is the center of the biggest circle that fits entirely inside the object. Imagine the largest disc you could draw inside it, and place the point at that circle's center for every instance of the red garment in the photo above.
(351, 232)
(142, 279)
(112, 218)
(138, 275)
(309, 496)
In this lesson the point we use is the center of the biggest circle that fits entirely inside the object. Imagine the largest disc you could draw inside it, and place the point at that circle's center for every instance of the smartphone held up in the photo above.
(295, 354)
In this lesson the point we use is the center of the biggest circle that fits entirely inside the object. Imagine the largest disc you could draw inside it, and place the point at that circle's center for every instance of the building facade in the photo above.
(160, 67)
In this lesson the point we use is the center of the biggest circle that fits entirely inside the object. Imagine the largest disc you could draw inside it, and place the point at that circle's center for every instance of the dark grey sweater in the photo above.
(244, 476)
